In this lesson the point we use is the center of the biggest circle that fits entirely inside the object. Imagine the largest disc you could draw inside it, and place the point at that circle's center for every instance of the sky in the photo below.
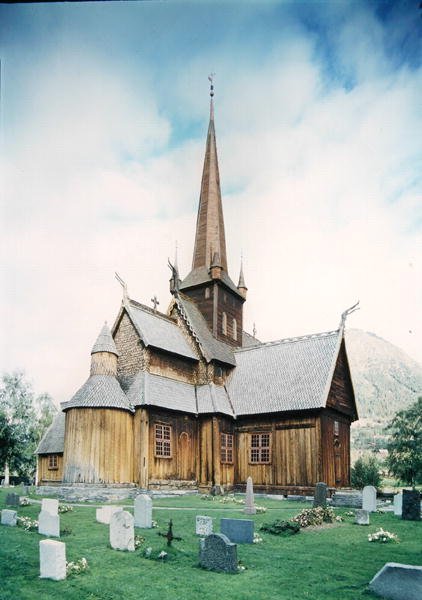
(104, 113)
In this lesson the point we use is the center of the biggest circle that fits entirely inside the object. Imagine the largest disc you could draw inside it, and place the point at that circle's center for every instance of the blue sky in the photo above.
(104, 117)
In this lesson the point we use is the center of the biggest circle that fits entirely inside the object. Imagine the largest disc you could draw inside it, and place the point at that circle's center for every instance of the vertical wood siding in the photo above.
(45, 474)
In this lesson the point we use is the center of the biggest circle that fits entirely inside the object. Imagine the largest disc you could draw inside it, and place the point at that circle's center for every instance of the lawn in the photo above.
(334, 562)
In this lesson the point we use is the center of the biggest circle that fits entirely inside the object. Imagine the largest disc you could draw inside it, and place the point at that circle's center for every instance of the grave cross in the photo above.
(155, 302)
(169, 535)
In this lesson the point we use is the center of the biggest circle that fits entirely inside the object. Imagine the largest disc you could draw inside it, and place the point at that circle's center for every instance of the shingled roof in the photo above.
(159, 331)
(99, 391)
(288, 375)
(212, 348)
(53, 439)
(201, 275)
(105, 342)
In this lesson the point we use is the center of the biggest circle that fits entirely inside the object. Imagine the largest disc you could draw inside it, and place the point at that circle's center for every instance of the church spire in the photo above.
(241, 286)
(210, 237)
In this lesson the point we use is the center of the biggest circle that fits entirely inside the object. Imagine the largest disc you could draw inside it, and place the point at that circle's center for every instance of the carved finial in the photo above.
(211, 80)
(348, 312)
(175, 280)
(254, 331)
(124, 286)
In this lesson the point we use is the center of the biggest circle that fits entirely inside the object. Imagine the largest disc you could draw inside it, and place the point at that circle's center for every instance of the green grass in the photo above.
(335, 562)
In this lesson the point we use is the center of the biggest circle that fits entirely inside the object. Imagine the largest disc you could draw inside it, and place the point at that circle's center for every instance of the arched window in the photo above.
(224, 324)
(234, 329)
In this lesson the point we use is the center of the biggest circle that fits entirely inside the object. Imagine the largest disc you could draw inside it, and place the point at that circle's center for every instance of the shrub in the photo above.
(279, 527)
(365, 471)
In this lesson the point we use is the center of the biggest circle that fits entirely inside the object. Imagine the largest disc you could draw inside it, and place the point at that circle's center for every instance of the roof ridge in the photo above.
(151, 311)
(300, 338)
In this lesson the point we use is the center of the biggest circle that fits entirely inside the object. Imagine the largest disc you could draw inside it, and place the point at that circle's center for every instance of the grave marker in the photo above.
(12, 500)
(52, 560)
(398, 503)
(369, 498)
(103, 514)
(362, 517)
(48, 524)
(50, 505)
(239, 531)
(397, 581)
(320, 497)
(203, 525)
(411, 507)
(9, 517)
(122, 532)
(249, 502)
(143, 511)
(218, 553)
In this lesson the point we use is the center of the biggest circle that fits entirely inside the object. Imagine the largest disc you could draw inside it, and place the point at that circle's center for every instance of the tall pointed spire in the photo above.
(210, 236)
(241, 286)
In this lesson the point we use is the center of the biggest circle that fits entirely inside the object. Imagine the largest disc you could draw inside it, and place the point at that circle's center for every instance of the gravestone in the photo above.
(12, 500)
(218, 553)
(396, 581)
(50, 505)
(249, 501)
(103, 515)
(411, 507)
(143, 511)
(203, 525)
(320, 497)
(239, 531)
(122, 532)
(351, 499)
(48, 524)
(52, 560)
(398, 503)
(9, 517)
(369, 498)
(361, 517)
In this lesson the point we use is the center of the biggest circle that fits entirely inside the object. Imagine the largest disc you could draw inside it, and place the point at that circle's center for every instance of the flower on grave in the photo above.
(25, 501)
(339, 518)
(148, 552)
(79, 566)
(382, 537)
(64, 508)
(315, 516)
(27, 523)
(139, 540)
(260, 509)
(241, 566)
(163, 555)
(154, 524)
(349, 513)
(257, 539)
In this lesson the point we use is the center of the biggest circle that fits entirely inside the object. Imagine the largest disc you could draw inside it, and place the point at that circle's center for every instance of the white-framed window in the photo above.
(260, 448)
(226, 447)
(53, 462)
(162, 441)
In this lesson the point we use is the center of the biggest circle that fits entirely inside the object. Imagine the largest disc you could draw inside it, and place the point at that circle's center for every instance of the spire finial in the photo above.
(348, 312)
(211, 80)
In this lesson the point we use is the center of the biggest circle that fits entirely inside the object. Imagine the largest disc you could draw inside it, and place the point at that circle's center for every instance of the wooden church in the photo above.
(188, 399)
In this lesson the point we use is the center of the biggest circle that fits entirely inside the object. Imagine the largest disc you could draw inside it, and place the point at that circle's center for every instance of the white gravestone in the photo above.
(48, 524)
(361, 517)
(103, 515)
(398, 504)
(50, 505)
(143, 511)
(52, 560)
(249, 500)
(369, 498)
(203, 525)
(122, 532)
(8, 517)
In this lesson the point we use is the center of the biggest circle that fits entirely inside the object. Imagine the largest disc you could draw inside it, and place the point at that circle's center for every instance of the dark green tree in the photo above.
(365, 471)
(23, 420)
(404, 459)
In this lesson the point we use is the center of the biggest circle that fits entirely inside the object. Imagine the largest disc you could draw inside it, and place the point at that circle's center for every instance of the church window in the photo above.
(162, 441)
(336, 428)
(234, 329)
(226, 447)
(207, 293)
(260, 450)
(224, 324)
(53, 462)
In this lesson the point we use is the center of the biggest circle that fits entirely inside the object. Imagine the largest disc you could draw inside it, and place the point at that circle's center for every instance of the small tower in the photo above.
(104, 354)
(241, 286)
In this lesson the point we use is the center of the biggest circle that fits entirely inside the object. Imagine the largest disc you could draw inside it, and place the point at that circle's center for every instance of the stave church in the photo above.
(189, 400)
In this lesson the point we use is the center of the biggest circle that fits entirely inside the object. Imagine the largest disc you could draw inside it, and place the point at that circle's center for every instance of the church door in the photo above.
(184, 455)
(338, 463)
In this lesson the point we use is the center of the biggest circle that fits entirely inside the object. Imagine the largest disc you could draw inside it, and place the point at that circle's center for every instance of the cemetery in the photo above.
(195, 545)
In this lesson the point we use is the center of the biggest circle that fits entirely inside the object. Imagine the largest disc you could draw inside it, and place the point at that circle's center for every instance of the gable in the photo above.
(341, 396)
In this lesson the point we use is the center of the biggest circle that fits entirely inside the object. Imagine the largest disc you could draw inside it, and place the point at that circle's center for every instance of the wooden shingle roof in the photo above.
(53, 440)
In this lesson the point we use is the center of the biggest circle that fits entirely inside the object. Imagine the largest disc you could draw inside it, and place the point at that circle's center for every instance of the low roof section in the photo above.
(99, 391)
(52, 441)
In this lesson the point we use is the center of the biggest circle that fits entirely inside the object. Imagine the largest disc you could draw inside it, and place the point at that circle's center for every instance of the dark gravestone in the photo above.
(218, 553)
(398, 582)
(239, 531)
(320, 498)
(411, 508)
(12, 500)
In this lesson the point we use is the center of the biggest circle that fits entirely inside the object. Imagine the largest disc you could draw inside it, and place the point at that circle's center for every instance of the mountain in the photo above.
(385, 379)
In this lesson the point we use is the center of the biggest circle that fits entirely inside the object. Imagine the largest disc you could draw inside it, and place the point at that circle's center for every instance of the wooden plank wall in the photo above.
(98, 446)
(341, 396)
(45, 474)
(171, 366)
(335, 450)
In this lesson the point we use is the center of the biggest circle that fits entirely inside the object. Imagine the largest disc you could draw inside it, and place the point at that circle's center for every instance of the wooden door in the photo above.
(184, 456)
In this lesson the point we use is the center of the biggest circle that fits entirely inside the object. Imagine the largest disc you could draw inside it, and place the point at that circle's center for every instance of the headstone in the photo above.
(239, 531)
(396, 581)
(203, 525)
(218, 553)
(122, 532)
(398, 503)
(48, 524)
(50, 505)
(361, 517)
(369, 498)
(9, 517)
(103, 515)
(411, 508)
(320, 498)
(352, 499)
(52, 560)
(143, 511)
(13, 500)
(249, 501)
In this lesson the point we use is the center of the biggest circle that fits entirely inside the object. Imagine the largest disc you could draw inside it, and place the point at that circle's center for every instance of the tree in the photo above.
(23, 420)
(404, 459)
(365, 471)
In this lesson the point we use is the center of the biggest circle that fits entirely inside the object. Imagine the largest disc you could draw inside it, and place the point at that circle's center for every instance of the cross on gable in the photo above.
(155, 302)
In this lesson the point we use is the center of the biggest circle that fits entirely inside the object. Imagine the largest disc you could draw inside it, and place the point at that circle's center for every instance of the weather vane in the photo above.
(211, 80)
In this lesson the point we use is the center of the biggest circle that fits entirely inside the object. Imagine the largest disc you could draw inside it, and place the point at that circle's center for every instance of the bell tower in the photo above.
(209, 283)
